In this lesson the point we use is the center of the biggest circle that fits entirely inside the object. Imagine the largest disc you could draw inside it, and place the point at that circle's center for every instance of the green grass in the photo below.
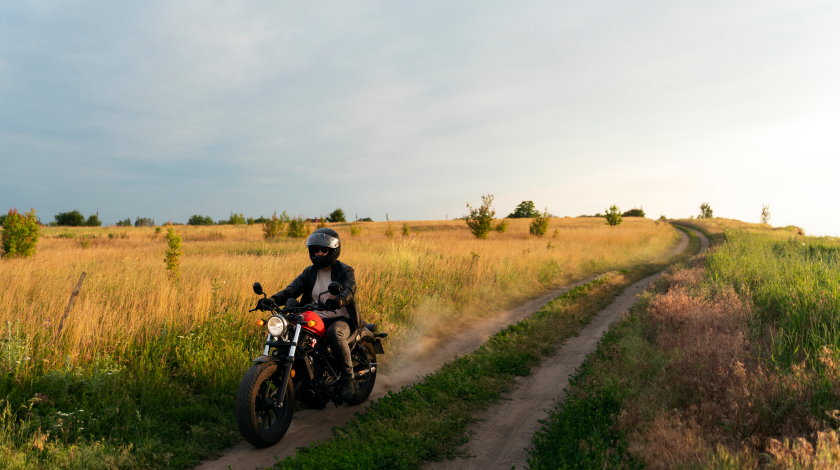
(794, 285)
(427, 421)
(127, 411)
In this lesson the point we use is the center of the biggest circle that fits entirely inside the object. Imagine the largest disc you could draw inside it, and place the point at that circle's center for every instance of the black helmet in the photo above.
(324, 237)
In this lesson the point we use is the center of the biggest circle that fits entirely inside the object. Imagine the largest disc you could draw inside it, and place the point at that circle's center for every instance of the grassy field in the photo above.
(146, 369)
(732, 362)
(427, 421)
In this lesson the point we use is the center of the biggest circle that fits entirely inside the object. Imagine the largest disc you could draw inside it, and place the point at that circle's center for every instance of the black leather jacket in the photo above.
(303, 284)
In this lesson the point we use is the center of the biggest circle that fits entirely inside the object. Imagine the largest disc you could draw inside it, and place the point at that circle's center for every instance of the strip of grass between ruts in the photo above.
(427, 421)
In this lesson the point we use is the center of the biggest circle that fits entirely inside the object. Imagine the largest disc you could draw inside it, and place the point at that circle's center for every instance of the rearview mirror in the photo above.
(258, 289)
(334, 288)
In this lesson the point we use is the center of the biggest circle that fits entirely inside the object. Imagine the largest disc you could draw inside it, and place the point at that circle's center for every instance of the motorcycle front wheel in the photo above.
(261, 419)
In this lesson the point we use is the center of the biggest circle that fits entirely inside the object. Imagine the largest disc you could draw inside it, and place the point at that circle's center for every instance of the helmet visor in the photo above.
(322, 239)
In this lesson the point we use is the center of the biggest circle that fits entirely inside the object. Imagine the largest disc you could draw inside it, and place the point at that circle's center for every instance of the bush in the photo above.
(613, 215)
(173, 252)
(20, 233)
(93, 221)
(662, 217)
(70, 219)
(236, 219)
(355, 230)
(262, 220)
(634, 212)
(144, 222)
(124, 223)
(389, 232)
(705, 211)
(250, 221)
(365, 219)
(406, 230)
(321, 222)
(502, 226)
(336, 216)
(765, 213)
(480, 220)
(540, 223)
(275, 226)
(298, 227)
(199, 220)
(525, 209)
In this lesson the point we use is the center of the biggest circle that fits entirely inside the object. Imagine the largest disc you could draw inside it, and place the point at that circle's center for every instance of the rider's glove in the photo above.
(278, 298)
(334, 304)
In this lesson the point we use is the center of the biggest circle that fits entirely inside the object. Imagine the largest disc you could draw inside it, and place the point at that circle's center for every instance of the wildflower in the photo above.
(80, 429)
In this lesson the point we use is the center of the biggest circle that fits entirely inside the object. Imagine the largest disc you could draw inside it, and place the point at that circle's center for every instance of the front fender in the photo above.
(262, 359)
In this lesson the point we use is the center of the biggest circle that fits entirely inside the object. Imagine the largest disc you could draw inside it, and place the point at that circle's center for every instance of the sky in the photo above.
(166, 109)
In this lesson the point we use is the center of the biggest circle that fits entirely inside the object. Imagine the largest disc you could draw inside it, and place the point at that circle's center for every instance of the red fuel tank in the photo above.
(319, 328)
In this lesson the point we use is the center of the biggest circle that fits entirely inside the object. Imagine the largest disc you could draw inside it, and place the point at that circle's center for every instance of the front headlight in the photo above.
(277, 325)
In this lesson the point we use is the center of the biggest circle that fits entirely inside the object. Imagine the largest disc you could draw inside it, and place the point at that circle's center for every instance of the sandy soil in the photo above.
(310, 426)
(503, 432)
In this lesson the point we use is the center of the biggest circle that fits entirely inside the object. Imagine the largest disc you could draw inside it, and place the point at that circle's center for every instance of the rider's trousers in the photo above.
(338, 332)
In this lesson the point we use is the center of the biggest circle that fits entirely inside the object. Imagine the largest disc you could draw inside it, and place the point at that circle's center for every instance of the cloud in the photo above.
(169, 109)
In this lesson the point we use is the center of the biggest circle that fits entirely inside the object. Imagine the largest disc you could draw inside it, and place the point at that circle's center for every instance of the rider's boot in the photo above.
(346, 389)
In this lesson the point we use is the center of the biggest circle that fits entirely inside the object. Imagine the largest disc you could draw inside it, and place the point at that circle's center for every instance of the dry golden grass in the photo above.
(408, 284)
(719, 225)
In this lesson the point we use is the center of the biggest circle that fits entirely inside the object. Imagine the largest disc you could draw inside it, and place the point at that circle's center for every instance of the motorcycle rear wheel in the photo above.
(364, 388)
(261, 422)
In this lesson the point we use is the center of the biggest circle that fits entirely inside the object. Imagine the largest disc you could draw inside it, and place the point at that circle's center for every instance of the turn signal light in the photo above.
(261, 322)
(293, 373)
(311, 323)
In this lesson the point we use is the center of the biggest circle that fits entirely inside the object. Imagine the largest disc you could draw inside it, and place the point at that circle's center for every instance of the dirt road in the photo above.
(309, 426)
(504, 430)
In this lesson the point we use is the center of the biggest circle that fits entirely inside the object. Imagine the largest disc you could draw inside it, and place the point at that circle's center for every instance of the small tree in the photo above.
(20, 233)
(705, 211)
(336, 216)
(539, 226)
(406, 230)
(322, 223)
(662, 217)
(525, 209)
(124, 223)
(480, 220)
(613, 215)
(275, 226)
(144, 222)
(355, 230)
(634, 212)
(502, 226)
(298, 227)
(93, 221)
(236, 219)
(70, 219)
(765, 213)
(173, 252)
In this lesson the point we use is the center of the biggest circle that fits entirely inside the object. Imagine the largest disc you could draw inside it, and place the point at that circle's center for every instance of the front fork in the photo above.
(290, 360)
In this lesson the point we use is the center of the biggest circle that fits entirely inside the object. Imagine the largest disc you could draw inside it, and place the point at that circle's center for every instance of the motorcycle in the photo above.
(298, 368)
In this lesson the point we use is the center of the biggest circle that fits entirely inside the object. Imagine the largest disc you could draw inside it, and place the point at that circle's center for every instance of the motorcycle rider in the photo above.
(341, 318)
